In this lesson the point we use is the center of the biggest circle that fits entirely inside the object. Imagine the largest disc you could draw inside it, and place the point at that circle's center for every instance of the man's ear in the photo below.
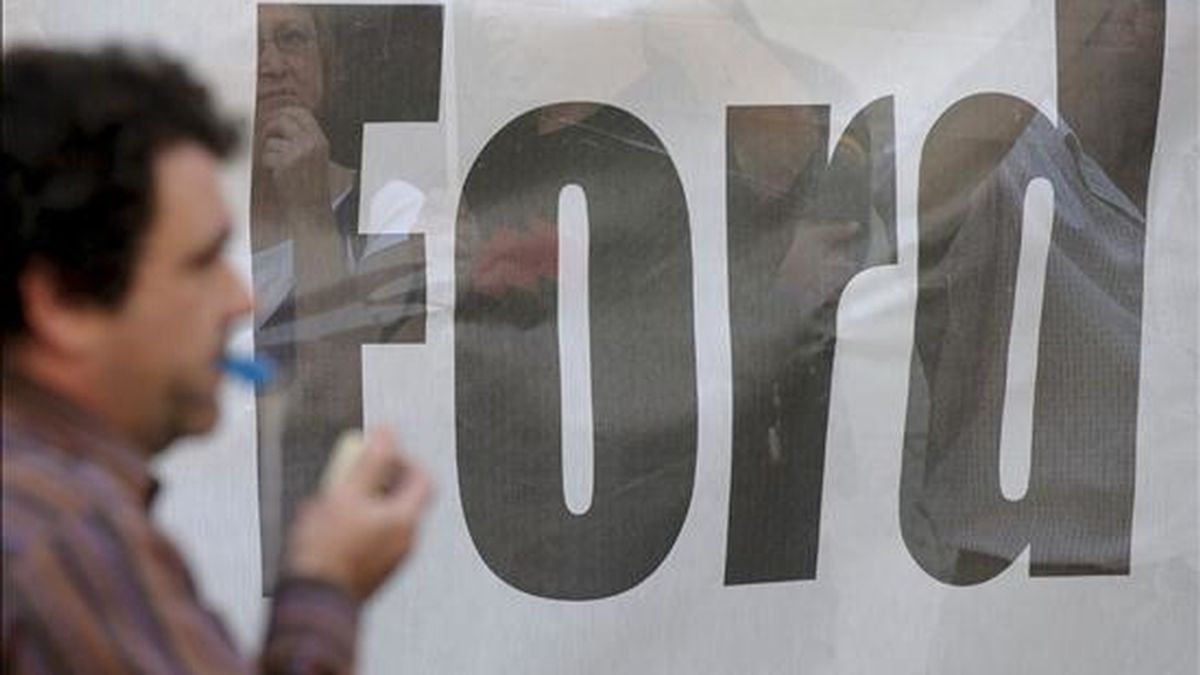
(70, 326)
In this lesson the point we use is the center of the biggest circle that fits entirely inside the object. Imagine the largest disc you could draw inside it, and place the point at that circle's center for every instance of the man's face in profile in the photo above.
(164, 343)
(289, 59)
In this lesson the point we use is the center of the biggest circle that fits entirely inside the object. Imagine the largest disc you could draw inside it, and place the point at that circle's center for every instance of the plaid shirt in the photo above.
(91, 585)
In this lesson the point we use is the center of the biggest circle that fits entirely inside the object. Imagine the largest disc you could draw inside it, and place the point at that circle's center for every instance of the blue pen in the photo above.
(258, 371)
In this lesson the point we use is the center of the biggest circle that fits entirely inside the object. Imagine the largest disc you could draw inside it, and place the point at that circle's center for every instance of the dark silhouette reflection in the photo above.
(801, 225)
(323, 289)
(642, 351)
(977, 165)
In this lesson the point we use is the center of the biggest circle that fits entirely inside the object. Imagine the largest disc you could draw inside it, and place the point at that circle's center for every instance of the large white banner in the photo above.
(740, 335)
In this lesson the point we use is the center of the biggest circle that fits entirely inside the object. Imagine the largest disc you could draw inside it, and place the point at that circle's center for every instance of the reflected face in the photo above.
(784, 141)
(164, 342)
(290, 72)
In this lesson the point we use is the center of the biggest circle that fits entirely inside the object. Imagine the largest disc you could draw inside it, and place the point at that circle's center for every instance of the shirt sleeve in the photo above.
(110, 594)
(313, 629)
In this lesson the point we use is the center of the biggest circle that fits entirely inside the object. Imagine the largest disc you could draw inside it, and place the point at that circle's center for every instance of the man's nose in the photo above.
(241, 300)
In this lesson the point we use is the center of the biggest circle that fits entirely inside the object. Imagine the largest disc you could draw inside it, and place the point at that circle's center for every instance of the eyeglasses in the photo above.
(290, 40)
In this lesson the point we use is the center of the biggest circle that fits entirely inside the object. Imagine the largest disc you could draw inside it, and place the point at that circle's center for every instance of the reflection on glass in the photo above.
(977, 164)
(323, 289)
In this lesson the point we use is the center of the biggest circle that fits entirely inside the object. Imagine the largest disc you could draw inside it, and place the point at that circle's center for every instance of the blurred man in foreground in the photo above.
(118, 303)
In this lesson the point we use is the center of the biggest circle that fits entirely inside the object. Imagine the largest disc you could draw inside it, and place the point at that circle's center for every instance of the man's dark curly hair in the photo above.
(81, 131)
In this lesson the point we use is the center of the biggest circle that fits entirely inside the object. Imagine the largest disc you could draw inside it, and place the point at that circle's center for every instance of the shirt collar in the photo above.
(1094, 178)
(32, 408)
